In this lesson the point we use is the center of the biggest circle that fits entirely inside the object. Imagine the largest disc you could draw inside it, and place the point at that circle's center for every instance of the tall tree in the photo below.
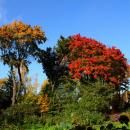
(19, 41)
(90, 60)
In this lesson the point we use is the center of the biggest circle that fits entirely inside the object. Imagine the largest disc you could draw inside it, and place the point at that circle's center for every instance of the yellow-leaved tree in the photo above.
(43, 99)
(19, 41)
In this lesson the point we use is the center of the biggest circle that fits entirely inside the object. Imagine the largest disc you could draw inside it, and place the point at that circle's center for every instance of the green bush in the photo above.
(18, 112)
(82, 104)
(124, 119)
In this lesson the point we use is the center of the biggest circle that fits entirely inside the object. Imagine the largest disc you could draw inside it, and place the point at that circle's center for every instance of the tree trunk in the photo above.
(21, 81)
(14, 87)
(20, 76)
(52, 86)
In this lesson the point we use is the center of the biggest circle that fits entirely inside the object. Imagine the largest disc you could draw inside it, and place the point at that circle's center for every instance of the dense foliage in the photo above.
(83, 86)
(91, 59)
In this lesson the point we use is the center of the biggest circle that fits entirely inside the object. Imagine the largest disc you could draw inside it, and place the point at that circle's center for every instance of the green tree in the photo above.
(52, 66)
(62, 47)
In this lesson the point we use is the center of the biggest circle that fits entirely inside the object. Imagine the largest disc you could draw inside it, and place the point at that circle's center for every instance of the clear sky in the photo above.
(107, 21)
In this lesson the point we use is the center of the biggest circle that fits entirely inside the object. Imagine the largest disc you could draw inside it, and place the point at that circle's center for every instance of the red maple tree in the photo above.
(92, 59)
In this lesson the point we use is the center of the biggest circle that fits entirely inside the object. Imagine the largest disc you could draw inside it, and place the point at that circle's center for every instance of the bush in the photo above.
(83, 127)
(33, 119)
(124, 128)
(81, 104)
(110, 126)
(126, 114)
(18, 112)
(89, 128)
(9, 127)
(102, 127)
(124, 119)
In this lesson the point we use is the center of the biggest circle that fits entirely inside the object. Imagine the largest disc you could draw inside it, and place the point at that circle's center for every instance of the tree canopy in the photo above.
(91, 60)
(18, 41)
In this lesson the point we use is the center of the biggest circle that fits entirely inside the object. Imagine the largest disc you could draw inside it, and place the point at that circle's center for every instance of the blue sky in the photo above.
(107, 21)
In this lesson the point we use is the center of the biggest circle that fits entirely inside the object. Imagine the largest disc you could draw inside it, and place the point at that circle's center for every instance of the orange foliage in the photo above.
(43, 99)
(20, 33)
(43, 102)
(2, 81)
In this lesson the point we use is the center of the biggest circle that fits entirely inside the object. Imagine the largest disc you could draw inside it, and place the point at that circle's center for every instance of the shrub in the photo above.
(43, 103)
(18, 112)
(81, 104)
(124, 119)
(126, 114)
(89, 128)
(109, 126)
(124, 128)
(102, 128)
(83, 127)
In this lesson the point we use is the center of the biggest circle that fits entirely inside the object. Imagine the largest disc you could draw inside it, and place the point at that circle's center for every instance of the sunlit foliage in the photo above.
(91, 59)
